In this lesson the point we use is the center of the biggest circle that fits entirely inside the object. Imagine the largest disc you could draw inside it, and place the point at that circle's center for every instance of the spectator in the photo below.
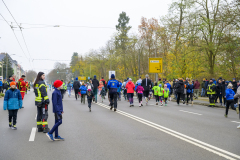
(196, 89)
(203, 88)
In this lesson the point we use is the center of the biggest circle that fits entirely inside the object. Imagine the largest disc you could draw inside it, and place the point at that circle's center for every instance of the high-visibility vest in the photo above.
(210, 89)
(39, 97)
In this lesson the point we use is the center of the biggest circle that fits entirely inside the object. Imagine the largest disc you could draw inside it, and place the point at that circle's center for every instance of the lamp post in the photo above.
(156, 74)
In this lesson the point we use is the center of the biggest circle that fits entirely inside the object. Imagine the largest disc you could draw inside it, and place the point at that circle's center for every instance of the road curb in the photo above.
(203, 104)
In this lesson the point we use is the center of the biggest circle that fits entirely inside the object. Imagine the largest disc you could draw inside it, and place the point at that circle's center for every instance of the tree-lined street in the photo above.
(148, 132)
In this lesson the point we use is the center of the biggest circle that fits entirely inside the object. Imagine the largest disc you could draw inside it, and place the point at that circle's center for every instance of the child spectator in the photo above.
(57, 110)
(12, 102)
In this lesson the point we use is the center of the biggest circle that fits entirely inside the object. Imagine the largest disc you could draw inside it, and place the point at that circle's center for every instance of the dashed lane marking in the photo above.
(32, 135)
(235, 122)
(190, 112)
(201, 144)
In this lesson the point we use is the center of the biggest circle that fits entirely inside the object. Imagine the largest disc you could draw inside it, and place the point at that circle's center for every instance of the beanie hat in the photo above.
(76, 78)
(159, 79)
(234, 78)
(95, 76)
(160, 85)
(13, 83)
(112, 76)
(23, 76)
(57, 83)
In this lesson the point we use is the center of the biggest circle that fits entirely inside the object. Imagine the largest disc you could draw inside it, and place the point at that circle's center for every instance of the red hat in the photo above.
(57, 83)
(13, 83)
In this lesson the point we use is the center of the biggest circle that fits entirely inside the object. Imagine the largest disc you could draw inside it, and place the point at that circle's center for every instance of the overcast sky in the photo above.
(59, 43)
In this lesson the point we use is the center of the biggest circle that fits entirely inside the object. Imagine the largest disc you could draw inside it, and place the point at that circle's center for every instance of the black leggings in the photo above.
(178, 97)
(157, 98)
(140, 97)
(12, 115)
(230, 103)
(191, 96)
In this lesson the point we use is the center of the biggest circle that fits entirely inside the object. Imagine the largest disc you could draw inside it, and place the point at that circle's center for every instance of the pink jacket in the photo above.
(139, 89)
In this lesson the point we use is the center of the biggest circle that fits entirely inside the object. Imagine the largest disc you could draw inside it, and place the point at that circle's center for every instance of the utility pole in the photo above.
(6, 66)
(139, 63)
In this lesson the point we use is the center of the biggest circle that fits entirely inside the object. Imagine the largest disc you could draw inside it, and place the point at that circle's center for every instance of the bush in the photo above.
(1, 95)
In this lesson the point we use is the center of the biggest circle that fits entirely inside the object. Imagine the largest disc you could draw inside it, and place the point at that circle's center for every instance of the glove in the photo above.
(47, 102)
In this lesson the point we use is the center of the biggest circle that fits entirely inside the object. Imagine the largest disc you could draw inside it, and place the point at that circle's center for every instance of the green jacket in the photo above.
(166, 92)
(160, 93)
(156, 90)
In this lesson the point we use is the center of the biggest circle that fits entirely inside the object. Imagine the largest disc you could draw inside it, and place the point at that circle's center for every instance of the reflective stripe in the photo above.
(39, 123)
(45, 98)
(45, 123)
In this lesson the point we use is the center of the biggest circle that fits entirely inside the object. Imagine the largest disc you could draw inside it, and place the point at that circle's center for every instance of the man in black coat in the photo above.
(179, 89)
(76, 86)
(219, 91)
(95, 83)
(146, 85)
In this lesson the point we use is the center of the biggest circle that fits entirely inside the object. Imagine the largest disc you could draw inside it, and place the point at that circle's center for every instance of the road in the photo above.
(132, 133)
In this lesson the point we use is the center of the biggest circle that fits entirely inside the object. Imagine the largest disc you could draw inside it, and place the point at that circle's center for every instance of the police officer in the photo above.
(211, 92)
(113, 85)
(7, 83)
(42, 102)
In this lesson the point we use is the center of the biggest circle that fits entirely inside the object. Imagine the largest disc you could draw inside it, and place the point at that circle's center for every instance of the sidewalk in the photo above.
(203, 101)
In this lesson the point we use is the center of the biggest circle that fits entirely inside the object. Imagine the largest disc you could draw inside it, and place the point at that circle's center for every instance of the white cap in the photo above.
(130, 79)
(89, 87)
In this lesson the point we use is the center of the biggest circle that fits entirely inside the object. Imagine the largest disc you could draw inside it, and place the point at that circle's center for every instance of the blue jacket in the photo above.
(229, 94)
(12, 100)
(113, 86)
(190, 88)
(83, 89)
(120, 87)
(69, 86)
(57, 102)
(169, 86)
(1, 83)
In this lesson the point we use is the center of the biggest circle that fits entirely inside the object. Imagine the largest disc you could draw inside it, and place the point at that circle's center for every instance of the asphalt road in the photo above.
(132, 133)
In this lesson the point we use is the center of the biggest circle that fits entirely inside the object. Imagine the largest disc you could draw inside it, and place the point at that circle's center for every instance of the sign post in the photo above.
(155, 65)
(110, 73)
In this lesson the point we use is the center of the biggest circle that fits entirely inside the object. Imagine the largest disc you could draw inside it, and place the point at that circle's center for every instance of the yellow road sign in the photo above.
(155, 65)
(82, 78)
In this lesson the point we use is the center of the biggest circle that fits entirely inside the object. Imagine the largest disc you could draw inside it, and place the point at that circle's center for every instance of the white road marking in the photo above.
(201, 144)
(36, 117)
(32, 135)
(190, 112)
(235, 122)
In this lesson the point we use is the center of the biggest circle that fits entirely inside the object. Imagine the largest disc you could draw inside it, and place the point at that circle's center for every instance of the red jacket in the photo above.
(196, 85)
(130, 87)
(21, 85)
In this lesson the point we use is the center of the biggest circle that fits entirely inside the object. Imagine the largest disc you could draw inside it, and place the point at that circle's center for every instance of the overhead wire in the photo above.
(21, 33)
(15, 36)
